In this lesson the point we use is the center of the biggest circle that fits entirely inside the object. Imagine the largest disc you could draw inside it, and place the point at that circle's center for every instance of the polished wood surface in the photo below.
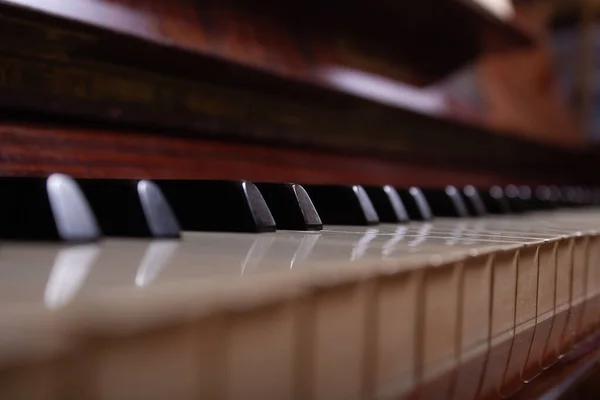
(566, 379)
(238, 66)
(229, 70)
(40, 149)
(521, 91)
(252, 71)
(298, 39)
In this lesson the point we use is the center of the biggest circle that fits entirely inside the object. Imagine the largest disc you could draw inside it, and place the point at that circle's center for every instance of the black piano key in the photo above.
(52, 208)
(446, 202)
(596, 196)
(555, 196)
(387, 203)
(515, 201)
(291, 206)
(527, 198)
(130, 207)
(220, 206)
(581, 199)
(542, 197)
(343, 205)
(416, 204)
(473, 201)
(569, 196)
(588, 196)
(563, 197)
(546, 197)
(494, 200)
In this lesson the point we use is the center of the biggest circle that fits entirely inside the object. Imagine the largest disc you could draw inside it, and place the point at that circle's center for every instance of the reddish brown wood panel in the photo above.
(561, 381)
(412, 41)
(28, 150)
(589, 389)
(521, 91)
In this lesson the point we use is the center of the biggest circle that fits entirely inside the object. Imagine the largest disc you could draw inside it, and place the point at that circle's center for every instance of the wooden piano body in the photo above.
(240, 90)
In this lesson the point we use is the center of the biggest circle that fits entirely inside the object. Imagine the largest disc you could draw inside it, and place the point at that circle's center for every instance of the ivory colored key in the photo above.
(304, 312)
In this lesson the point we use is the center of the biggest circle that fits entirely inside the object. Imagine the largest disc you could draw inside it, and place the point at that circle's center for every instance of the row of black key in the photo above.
(61, 208)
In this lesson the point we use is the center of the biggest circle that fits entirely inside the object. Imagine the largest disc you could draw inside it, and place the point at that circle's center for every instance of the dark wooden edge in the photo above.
(563, 377)
(85, 151)
(426, 140)
(153, 53)
(365, 127)
(350, 126)
(476, 22)
(500, 28)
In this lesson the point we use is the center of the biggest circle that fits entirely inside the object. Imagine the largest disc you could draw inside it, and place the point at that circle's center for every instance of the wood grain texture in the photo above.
(259, 70)
(34, 150)
(75, 70)
(56, 66)
(295, 39)
(29, 150)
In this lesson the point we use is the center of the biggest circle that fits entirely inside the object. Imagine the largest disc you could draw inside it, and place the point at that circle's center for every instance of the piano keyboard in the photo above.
(460, 306)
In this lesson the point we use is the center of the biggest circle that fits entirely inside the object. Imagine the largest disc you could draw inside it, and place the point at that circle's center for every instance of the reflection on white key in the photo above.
(456, 233)
(421, 235)
(156, 257)
(474, 231)
(390, 245)
(257, 252)
(71, 267)
(307, 244)
(359, 249)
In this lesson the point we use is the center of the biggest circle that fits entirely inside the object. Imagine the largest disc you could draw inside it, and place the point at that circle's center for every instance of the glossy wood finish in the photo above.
(297, 39)
(521, 91)
(29, 149)
(254, 71)
(37, 150)
(561, 381)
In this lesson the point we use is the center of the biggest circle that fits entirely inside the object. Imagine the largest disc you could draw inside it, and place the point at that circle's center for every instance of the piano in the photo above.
(193, 206)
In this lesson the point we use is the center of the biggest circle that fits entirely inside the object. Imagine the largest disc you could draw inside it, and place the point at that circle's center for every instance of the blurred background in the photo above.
(548, 92)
